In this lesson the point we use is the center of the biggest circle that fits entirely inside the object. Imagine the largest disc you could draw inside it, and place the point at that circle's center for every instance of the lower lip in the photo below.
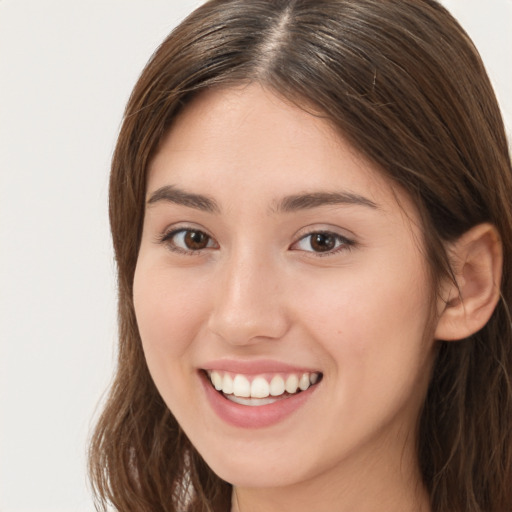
(260, 416)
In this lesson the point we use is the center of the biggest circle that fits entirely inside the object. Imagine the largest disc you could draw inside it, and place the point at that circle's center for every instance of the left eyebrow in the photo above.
(316, 199)
(172, 194)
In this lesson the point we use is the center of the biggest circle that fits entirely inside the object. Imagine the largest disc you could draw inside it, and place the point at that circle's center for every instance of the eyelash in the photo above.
(341, 243)
(167, 239)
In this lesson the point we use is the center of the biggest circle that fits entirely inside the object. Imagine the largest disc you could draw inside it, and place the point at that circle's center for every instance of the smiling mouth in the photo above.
(261, 390)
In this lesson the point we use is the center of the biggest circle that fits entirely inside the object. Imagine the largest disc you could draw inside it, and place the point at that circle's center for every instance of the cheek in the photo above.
(168, 308)
(356, 303)
(372, 326)
(378, 361)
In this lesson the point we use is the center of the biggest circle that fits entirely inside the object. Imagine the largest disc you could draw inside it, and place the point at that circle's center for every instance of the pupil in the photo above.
(196, 240)
(322, 242)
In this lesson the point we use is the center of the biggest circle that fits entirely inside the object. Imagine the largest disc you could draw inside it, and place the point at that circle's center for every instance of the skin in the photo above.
(359, 313)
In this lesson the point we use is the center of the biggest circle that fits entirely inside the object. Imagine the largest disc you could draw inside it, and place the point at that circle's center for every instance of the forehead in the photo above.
(249, 140)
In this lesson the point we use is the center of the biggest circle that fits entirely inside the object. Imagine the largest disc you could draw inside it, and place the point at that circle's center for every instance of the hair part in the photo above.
(405, 86)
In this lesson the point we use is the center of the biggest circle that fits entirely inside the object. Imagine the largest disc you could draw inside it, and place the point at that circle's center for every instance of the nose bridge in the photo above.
(249, 303)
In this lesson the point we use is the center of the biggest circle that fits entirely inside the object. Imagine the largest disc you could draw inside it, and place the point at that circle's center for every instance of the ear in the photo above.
(465, 306)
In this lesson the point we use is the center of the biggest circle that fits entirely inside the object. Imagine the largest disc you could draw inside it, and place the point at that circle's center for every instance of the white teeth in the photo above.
(241, 386)
(216, 380)
(260, 388)
(304, 382)
(277, 385)
(292, 383)
(227, 384)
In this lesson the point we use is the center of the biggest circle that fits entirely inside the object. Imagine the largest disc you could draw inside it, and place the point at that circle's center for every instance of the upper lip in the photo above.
(257, 366)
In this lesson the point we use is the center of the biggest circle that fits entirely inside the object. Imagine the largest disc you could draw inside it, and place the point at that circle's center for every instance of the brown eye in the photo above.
(196, 240)
(188, 240)
(322, 242)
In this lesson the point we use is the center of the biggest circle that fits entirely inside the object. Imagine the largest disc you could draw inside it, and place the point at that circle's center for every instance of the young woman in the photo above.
(310, 207)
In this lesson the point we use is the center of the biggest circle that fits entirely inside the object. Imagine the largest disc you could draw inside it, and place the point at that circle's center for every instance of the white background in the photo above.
(66, 70)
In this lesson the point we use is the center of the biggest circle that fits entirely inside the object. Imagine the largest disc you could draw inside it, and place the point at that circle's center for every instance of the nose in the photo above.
(250, 301)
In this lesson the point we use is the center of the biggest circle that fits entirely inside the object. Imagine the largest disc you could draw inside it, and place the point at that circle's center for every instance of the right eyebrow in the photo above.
(172, 194)
(317, 199)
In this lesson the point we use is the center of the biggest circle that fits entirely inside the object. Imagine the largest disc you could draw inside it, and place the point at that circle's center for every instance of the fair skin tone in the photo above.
(270, 247)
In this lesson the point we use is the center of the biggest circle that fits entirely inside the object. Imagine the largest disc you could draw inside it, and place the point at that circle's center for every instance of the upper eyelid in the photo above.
(343, 238)
(324, 232)
(323, 228)
(177, 227)
(346, 243)
(166, 237)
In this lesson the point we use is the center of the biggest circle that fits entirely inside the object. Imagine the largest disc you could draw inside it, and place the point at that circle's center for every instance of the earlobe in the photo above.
(466, 306)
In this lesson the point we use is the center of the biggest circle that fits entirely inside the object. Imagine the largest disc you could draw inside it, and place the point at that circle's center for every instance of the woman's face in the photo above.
(274, 258)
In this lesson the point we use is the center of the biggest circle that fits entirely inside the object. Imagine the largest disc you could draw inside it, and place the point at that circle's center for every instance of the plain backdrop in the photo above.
(66, 70)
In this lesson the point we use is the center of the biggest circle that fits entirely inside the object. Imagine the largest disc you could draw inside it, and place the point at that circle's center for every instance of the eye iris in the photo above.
(322, 242)
(196, 240)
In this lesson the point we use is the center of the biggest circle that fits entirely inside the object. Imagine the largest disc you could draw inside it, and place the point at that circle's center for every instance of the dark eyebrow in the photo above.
(316, 199)
(172, 194)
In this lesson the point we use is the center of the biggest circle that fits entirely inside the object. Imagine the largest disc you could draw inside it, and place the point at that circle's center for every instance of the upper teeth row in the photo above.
(239, 385)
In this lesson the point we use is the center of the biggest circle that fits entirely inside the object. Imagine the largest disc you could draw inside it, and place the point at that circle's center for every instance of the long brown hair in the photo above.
(404, 84)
